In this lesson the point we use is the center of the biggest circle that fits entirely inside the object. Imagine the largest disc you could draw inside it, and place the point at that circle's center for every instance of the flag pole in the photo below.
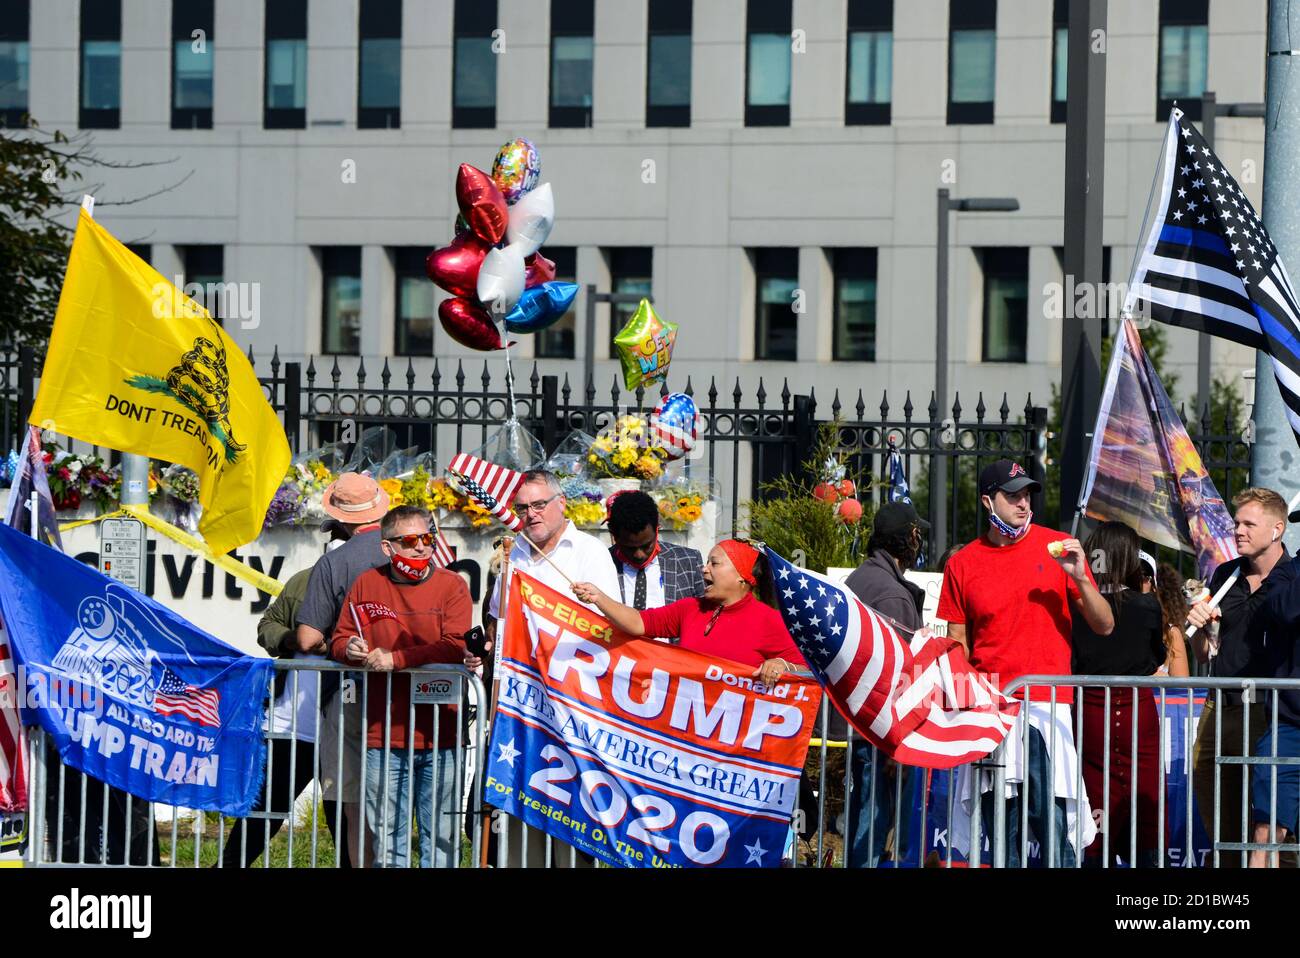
(135, 467)
(503, 604)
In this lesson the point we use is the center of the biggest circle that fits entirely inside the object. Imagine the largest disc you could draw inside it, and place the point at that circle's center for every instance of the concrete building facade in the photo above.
(705, 199)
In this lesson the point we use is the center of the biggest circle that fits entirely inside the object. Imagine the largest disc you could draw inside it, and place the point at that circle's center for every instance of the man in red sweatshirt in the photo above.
(402, 616)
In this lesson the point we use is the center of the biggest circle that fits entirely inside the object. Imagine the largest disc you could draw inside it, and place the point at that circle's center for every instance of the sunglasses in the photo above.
(523, 508)
(410, 542)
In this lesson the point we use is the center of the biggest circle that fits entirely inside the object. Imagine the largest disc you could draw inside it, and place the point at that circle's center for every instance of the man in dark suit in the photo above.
(650, 573)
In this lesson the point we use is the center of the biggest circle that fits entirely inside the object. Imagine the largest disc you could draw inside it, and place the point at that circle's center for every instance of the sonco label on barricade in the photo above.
(642, 754)
(434, 689)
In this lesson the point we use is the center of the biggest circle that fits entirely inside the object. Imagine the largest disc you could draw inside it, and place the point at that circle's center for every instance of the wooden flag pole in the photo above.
(503, 601)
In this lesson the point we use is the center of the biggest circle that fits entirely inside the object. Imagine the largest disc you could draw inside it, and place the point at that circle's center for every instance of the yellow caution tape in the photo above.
(817, 743)
(69, 526)
(259, 580)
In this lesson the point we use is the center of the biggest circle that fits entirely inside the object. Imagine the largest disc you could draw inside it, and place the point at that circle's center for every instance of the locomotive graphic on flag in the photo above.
(109, 651)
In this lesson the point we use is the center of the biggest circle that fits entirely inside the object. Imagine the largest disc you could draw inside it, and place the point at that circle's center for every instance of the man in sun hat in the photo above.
(354, 504)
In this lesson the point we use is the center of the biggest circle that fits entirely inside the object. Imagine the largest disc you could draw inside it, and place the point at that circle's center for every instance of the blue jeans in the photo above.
(436, 825)
(1045, 810)
(1288, 778)
(869, 821)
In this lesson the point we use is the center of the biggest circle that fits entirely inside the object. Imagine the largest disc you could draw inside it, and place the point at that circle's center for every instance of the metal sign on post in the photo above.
(122, 548)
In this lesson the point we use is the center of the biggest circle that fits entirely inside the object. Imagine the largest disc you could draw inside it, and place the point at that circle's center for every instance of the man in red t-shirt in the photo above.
(1008, 598)
(405, 615)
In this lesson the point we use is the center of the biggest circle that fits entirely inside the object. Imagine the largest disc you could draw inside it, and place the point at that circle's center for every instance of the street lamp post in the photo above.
(939, 465)
(1211, 108)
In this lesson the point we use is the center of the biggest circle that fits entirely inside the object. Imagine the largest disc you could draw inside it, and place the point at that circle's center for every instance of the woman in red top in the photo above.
(735, 619)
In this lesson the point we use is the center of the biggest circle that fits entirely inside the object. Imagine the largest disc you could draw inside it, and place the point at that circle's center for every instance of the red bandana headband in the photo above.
(742, 556)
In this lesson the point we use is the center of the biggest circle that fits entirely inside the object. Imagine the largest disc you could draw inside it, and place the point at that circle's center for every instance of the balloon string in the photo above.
(510, 375)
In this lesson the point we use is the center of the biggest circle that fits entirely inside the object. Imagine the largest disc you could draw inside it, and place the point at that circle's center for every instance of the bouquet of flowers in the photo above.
(584, 504)
(74, 477)
(624, 450)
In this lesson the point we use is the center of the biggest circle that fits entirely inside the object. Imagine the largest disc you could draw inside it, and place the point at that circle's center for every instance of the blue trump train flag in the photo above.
(131, 693)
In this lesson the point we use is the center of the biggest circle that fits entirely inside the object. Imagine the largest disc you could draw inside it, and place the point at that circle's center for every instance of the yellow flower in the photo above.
(393, 487)
(319, 471)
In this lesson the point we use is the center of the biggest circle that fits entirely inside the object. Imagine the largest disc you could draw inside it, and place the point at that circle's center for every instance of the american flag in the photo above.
(13, 742)
(1207, 263)
(176, 697)
(443, 555)
(492, 486)
(918, 700)
(898, 488)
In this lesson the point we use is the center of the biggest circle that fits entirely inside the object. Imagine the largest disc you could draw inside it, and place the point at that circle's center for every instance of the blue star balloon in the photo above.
(541, 306)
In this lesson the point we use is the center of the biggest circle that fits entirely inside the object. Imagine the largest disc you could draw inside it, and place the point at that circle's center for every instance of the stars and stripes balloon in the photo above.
(674, 424)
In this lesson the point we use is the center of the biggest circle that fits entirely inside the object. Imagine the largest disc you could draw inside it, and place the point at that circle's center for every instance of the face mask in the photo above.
(1011, 532)
(638, 565)
(412, 569)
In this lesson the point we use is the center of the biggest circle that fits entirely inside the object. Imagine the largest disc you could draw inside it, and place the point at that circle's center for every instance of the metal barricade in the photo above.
(371, 775)
(1127, 766)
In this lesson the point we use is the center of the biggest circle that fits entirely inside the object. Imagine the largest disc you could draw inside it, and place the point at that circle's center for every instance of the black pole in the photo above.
(1209, 109)
(293, 405)
(1085, 135)
(939, 464)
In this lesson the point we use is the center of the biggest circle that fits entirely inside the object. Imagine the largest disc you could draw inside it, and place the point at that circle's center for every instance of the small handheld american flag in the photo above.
(917, 700)
(488, 501)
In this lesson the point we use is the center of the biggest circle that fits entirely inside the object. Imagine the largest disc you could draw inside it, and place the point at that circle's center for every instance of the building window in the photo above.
(572, 25)
(870, 74)
(972, 60)
(379, 83)
(557, 340)
(1184, 53)
(668, 64)
(203, 266)
(631, 272)
(1006, 303)
(474, 75)
(15, 51)
(286, 65)
(341, 312)
(767, 63)
(855, 304)
(776, 276)
(101, 64)
(192, 64)
(415, 303)
(1060, 57)
(142, 250)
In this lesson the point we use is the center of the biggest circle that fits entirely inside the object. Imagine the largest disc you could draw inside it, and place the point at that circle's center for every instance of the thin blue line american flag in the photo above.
(916, 699)
(1207, 263)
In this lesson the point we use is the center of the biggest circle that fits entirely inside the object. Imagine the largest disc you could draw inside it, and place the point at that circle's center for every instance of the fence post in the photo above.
(550, 412)
(26, 388)
(805, 432)
(1038, 460)
(293, 404)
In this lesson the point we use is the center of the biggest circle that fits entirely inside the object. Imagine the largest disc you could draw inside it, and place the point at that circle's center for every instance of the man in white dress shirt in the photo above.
(540, 502)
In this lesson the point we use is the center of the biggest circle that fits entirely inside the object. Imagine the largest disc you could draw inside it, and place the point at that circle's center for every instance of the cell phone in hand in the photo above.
(476, 641)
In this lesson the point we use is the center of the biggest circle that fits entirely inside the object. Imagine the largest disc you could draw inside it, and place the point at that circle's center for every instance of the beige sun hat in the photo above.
(355, 498)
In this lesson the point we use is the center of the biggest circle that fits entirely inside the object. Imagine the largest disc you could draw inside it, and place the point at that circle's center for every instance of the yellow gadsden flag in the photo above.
(136, 365)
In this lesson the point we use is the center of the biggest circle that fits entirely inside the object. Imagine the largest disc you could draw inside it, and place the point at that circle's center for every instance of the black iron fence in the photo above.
(750, 435)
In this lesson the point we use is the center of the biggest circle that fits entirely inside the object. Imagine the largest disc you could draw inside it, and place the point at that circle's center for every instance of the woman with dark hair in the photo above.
(1163, 581)
(735, 619)
(1136, 647)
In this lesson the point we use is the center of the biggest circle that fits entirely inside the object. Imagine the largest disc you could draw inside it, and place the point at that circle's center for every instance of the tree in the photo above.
(39, 177)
